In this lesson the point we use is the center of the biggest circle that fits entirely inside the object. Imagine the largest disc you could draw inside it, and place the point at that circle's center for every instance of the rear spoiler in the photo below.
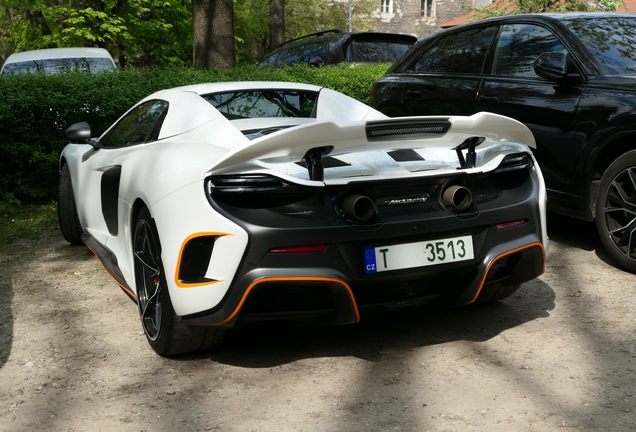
(313, 141)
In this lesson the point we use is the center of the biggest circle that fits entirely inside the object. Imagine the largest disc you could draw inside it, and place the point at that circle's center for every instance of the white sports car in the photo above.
(217, 205)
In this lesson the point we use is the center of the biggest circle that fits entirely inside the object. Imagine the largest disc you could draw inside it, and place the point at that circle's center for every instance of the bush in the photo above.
(36, 109)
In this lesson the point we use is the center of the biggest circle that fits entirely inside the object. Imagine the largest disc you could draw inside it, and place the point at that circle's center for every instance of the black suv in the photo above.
(571, 78)
(336, 46)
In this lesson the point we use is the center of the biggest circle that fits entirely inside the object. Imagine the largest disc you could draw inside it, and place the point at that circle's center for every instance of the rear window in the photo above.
(88, 64)
(298, 54)
(612, 40)
(363, 51)
(264, 103)
(314, 53)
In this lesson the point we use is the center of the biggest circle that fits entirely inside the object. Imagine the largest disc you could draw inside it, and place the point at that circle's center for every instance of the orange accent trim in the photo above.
(510, 252)
(183, 245)
(291, 278)
(129, 292)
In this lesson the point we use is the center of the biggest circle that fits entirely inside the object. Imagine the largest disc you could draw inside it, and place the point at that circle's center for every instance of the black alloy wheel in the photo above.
(616, 210)
(148, 277)
(165, 332)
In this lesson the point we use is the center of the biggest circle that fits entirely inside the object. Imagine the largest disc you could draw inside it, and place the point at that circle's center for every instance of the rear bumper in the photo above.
(332, 300)
(331, 287)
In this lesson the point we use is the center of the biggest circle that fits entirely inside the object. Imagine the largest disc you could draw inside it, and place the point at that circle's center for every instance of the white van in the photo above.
(55, 60)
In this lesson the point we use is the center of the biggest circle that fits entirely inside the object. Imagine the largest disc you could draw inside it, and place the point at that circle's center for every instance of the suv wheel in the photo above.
(616, 210)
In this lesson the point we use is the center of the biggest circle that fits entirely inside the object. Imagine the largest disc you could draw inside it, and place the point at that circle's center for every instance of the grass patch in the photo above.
(26, 221)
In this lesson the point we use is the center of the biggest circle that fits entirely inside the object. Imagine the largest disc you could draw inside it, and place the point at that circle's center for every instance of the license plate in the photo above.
(419, 254)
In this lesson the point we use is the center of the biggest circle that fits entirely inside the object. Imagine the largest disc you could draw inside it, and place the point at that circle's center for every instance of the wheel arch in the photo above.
(136, 208)
(611, 151)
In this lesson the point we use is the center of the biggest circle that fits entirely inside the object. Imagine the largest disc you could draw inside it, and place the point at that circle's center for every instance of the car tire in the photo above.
(616, 210)
(494, 293)
(66, 209)
(165, 332)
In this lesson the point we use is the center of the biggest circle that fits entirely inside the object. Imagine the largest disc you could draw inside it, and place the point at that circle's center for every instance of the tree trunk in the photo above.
(213, 33)
(276, 23)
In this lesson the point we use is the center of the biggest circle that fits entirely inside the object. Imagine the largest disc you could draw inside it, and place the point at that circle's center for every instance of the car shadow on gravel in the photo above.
(6, 316)
(270, 344)
(12, 259)
(573, 232)
(579, 234)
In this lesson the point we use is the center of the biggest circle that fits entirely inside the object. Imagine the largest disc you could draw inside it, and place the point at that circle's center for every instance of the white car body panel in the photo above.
(332, 106)
(202, 220)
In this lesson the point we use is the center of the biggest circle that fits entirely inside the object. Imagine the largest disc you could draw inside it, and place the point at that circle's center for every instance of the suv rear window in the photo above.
(367, 51)
(314, 54)
(335, 46)
(87, 64)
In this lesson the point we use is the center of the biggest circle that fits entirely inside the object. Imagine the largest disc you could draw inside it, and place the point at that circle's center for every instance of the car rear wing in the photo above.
(313, 141)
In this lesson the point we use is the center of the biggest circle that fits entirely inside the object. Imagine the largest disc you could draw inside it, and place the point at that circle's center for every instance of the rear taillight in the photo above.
(246, 183)
(514, 162)
(299, 249)
(511, 224)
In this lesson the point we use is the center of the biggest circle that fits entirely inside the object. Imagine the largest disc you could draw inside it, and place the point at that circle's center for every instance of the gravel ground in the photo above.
(560, 354)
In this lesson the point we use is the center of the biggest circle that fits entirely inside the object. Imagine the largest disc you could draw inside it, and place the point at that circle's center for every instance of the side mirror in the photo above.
(551, 65)
(554, 66)
(78, 133)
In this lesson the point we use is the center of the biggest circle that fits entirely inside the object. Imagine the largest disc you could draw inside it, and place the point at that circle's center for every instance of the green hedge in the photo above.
(36, 109)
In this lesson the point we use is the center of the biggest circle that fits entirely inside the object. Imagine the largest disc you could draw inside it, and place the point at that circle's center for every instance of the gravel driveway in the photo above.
(560, 354)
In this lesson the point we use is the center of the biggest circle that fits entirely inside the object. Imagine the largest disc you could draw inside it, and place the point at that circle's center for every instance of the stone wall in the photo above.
(407, 16)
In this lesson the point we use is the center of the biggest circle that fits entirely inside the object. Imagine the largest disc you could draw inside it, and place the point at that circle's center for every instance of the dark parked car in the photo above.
(571, 78)
(336, 46)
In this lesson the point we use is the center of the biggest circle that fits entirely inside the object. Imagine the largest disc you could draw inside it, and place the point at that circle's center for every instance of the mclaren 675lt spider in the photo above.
(217, 205)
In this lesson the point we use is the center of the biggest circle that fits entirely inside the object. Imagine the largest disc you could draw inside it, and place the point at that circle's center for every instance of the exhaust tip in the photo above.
(457, 198)
(358, 207)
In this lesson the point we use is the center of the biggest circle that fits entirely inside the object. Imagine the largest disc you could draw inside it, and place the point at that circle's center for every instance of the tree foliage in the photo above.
(302, 17)
(309, 16)
(251, 30)
(512, 7)
(145, 32)
(160, 32)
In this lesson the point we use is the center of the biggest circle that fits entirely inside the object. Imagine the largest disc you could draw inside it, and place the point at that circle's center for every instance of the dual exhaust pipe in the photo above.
(358, 207)
(457, 198)
(361, 208)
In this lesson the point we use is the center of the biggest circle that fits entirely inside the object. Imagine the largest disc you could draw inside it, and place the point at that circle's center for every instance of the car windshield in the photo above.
(264, 103)
(364, 51)
(612, 40)
(85, 64)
